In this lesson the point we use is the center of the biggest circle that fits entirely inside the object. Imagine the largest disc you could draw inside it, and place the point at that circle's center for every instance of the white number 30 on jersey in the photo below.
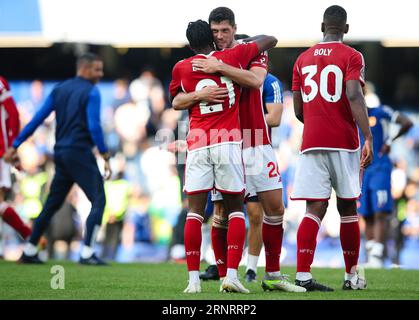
(205, 108)
(324, 78)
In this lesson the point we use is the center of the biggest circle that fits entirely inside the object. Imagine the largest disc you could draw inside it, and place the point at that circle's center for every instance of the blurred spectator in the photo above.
(28, 107)
(118, 191)
(65, 227)
(33, 181)
(137, 227)
(120, 93)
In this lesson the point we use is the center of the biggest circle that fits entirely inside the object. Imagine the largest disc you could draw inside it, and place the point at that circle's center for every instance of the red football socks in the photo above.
(306, 241)
(272, 232)
(193, 239)
(12, 218)
(350, 241)
(236, 235)
(219, 244)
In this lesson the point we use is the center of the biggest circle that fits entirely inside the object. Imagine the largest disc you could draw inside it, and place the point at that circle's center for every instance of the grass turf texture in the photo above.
(166, 281)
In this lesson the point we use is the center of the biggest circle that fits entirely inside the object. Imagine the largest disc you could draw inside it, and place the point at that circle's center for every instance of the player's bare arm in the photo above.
(405, 124)
(274, 114)
(298, 105)
(210, 94)
(252, 78)
(359, 112)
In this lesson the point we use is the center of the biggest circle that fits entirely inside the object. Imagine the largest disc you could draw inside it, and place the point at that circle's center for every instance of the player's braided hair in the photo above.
(199, 35)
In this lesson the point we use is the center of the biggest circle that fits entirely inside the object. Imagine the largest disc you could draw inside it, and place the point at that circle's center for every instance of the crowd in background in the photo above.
(144, 198)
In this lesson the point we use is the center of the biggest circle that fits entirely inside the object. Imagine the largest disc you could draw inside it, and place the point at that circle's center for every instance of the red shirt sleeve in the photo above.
(356, 68)
(296, 77)
(260, 61)
(12, 121)
(245, 52)
(176, 84)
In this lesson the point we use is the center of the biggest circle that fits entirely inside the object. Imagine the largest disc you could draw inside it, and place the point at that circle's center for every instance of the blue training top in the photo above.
(379, 119)
(272, 90)
(76, 103)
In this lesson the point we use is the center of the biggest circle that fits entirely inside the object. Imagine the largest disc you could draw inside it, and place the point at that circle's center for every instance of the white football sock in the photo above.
(274, 274)
(252, 262)
(232, 273)
(377, 249)
(30, 249)
(194, 277)
(303, 276)
(86, 252)
(349, 276)
(369, 244)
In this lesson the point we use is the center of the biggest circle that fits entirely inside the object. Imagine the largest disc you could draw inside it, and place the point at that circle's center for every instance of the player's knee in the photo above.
(276, 210)
(369, 219)
(380, 216)
(280, 210)
(347, 208)
(233, 203)
(317, 208)
(219, 210)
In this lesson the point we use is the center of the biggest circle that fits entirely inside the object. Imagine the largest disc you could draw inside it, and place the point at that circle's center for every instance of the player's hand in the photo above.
(10, 155)
(212, 94)
(209, 65)
(108, 172)
(367, 153)
(16, 163)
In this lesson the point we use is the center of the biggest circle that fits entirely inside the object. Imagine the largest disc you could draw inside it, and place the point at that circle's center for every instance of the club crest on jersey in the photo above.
(372, 121)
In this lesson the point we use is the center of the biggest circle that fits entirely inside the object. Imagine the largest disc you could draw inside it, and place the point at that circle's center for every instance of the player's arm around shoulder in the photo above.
(209, 94)
(245, 78)
(182, 100)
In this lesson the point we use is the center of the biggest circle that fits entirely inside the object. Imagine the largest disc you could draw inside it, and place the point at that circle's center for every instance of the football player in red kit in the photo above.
(328, 99)
(10, 126)
(214, 148)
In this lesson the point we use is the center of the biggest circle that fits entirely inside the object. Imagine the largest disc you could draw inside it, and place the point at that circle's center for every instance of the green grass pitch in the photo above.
(166, 281)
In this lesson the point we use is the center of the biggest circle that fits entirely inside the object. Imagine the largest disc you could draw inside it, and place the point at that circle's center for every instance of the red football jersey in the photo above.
(217, 123)
(320, 73)
(9, 117)
(252, 116)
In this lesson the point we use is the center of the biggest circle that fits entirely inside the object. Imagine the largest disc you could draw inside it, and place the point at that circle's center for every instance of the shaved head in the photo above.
(334, 20)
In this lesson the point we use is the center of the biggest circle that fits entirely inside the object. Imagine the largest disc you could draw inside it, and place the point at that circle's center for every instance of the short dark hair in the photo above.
(87, 58)
(199, 35)
(241, 36)
(220, 14)
(335, 16)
